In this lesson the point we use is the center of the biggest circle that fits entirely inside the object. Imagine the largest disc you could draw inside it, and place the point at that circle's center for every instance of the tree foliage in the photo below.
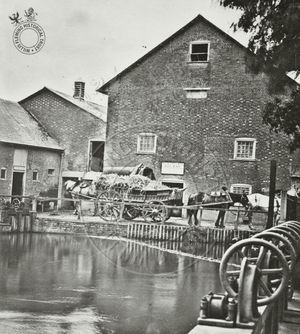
(274, 26)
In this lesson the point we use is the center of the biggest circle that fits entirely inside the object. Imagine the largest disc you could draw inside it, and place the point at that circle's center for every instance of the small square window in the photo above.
(244, 149)
(199, 51)
(50, 171)
(35, 175)
(146, 143)
(3, 173)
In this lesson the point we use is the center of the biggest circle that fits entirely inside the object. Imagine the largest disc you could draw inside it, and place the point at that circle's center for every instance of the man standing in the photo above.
(221, 215)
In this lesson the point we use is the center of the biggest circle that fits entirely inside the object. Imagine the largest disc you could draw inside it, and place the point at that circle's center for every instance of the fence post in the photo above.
(237, 219)
(271, 194)
(283, 205)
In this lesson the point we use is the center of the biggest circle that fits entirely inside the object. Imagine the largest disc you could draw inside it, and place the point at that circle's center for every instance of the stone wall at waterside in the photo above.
(48, 225)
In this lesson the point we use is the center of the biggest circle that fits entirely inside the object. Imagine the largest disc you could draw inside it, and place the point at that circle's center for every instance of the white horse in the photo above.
(80, 189)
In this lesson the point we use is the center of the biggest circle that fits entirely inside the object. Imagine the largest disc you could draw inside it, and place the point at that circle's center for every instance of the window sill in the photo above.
(145, 153)
(247, 160)
(198, 62)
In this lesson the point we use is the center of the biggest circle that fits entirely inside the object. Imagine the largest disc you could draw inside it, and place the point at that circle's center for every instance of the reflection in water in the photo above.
(65, 284)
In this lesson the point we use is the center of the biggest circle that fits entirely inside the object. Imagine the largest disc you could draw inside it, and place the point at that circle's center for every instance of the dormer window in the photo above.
(199, 51)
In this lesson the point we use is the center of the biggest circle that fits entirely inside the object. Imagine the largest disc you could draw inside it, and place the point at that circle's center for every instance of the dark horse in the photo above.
(202, 198)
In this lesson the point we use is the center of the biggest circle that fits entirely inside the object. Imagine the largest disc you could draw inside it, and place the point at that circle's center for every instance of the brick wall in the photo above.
(6, 161)
(71, 126)
(150, 97)
(39, 160)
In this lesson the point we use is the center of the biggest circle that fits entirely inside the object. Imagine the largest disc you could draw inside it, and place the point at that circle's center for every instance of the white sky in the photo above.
(93, 40)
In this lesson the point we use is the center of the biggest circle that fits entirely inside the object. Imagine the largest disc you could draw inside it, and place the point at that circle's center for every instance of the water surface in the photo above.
(79, 285)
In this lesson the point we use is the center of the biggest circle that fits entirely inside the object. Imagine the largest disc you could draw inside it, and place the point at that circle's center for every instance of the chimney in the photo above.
(79, 90)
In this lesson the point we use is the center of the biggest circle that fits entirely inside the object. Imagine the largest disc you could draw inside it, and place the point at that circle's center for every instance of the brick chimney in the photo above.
(79, 90)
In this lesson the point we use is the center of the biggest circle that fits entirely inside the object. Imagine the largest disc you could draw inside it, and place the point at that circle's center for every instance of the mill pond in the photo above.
(66, 284)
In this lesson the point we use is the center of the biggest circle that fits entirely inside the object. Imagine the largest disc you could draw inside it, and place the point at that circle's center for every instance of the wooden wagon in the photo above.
(151, 204)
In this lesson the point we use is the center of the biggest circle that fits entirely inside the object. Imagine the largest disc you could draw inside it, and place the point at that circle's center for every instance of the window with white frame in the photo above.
(3, 174)
(244, 148)
(146, 143)
(239, 188)
(196, 93)
(199, 51)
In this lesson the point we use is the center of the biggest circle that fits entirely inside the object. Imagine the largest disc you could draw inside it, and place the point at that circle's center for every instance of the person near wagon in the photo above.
(221, 215)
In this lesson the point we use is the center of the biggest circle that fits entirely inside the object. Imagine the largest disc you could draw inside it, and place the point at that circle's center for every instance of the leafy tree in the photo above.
(274, 26)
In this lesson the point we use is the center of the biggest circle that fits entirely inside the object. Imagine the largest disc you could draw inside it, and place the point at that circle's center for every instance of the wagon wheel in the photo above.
(257, 252)
(154, 212)
(109, 205)
(282, 243)
(131, 212)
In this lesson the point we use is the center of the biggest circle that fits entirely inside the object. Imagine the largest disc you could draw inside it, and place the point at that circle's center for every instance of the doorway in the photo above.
(17, 184)
(96, 156)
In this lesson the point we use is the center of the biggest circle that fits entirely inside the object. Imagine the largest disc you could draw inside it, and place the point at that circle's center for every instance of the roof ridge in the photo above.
(157, 47)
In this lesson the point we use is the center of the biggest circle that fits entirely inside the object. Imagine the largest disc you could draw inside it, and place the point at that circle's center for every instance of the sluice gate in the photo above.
(258, 276)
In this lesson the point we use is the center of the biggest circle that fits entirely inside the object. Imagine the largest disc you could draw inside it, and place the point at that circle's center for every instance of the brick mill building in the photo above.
(30, 159)
(191, 110)
(78, 125)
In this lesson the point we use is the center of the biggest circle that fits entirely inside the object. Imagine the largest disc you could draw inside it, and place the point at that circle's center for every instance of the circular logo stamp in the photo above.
(29, 37)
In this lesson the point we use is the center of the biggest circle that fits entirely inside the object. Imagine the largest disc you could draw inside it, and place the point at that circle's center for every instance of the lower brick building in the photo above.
(76, 124)
(30, 160)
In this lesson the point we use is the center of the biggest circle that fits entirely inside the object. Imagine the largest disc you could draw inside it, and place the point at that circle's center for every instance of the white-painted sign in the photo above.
(174, 168)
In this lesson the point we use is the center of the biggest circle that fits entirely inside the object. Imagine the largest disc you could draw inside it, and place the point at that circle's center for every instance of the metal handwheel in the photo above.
(288, 235)
(155, 212)
(109, 205)
(257, 252)
(281, 242)
(294, 226)
(292, 232)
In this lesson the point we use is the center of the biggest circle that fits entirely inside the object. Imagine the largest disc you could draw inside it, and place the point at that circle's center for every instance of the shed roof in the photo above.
(17, 126)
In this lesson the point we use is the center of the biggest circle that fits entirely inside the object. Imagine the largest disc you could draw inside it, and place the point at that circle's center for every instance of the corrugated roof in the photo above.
(93, 108)
(17, 126)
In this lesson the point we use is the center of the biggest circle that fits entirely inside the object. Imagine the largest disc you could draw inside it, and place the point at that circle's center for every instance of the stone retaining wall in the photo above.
(48, 225)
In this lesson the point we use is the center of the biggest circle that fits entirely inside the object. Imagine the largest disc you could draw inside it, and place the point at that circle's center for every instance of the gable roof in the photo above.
(198, 18)
(92, 108)
(17, 126)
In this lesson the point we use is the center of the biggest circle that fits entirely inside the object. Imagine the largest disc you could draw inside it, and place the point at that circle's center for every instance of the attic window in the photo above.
(199, 51)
